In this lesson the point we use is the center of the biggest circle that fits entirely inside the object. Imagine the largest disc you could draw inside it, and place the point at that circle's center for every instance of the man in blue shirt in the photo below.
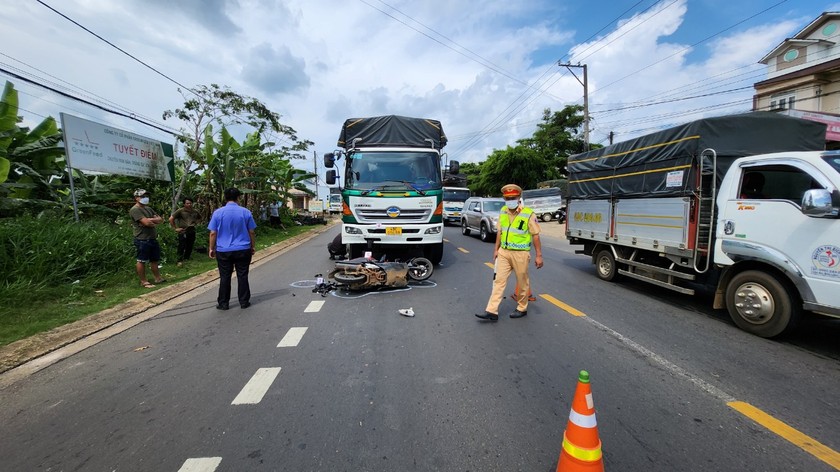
(232, 244)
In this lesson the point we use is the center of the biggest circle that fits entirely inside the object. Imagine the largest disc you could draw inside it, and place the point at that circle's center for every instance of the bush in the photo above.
(41, 253)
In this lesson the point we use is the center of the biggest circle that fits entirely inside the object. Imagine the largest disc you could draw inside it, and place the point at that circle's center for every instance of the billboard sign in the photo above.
(102, 148)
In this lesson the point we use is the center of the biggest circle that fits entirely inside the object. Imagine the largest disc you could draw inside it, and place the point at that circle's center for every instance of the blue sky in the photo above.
(485, 68)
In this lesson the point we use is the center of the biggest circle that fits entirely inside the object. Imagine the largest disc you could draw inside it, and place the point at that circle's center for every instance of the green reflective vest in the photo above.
(515, 235)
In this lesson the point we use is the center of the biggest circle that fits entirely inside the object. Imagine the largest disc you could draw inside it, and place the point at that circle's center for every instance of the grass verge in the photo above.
(30, 308)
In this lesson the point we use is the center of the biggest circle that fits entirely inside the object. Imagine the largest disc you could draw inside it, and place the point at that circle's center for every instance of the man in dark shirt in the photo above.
(232, 244)
(145, 219)
(183, 221)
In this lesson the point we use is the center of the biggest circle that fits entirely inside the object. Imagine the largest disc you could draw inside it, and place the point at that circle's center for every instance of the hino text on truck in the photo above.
(713, 202)
(392, 192)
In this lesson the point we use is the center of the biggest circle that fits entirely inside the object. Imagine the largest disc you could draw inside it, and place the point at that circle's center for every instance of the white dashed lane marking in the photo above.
(314, 306)
(292, 337)
(201, 464)
(255, 389)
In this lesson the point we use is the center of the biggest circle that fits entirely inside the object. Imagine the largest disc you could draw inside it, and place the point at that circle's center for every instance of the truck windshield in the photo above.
(833, 161)
(335, 198)
(453, 195)
(390, 170)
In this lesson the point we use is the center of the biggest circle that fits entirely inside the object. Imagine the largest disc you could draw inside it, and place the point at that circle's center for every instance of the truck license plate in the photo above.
(393, 230)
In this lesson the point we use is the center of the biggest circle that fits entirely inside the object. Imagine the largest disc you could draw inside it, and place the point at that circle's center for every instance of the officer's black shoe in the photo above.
(222, 307)
(245, 305)
(488, 316)
(518, 314)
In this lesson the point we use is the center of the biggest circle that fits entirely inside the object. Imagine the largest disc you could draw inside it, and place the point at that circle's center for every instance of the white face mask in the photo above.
(512, 204)
(144, 201)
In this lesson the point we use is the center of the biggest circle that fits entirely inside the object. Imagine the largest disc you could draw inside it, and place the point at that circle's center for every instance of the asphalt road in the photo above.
(309, 383)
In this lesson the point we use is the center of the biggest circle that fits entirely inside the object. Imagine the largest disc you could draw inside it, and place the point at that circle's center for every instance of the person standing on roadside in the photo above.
(232, 244)
(274, 215)
(518, 231)
(144, 220)
(183, 221)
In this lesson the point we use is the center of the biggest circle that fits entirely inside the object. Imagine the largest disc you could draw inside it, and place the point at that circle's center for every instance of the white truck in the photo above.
(392, 192)
(709, 204)
(545, 202)
(335, 200)
(453, 203)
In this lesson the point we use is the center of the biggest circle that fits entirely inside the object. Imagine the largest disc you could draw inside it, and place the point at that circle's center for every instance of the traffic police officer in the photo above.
(518, 231)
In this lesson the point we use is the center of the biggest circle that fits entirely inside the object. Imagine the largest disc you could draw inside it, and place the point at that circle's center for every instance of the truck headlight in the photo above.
(352, 230)
(433, 230)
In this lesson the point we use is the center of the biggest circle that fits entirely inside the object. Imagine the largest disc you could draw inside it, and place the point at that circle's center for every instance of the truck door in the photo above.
(764, 211)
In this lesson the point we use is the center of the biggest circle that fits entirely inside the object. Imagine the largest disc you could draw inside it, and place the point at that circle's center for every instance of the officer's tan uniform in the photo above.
(513, 250)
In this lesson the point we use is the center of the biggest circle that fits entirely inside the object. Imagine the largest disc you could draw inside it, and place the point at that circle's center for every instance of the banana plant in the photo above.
(31, 162)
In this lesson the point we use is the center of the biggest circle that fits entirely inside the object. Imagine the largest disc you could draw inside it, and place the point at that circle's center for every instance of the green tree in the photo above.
(519, 165)
(31, 166)
(206, 105)
(472, 172)
(556, 138)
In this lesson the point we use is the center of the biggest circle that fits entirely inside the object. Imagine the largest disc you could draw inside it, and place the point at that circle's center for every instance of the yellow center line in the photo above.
(572, 311)
(489, 264)
(807, 443)
(463, 250)
(445, 240)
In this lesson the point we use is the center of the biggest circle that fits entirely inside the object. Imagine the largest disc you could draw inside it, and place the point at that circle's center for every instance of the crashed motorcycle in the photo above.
(366, 274)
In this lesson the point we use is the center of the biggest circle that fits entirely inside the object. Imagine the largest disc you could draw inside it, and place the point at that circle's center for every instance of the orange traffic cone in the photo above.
(531, 297)
(581, 451)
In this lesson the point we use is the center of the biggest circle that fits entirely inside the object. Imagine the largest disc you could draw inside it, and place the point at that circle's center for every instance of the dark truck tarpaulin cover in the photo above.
(392, 131)
(665, 163)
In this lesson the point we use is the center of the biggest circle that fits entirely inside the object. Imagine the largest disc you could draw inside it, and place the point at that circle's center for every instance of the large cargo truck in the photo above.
(392, 192)
(745, 206)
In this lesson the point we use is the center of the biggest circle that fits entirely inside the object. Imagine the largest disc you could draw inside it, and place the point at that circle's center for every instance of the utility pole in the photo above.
(585, 99)
(315, 156)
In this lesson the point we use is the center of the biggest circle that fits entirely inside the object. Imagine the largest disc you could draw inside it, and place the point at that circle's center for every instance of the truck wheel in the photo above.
(605, 265)
(545, 217)
(760, 304)
(464, 229)
(434, 253)
(483, 233)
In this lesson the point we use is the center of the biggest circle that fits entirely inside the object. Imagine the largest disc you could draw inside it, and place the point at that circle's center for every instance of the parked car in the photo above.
(482, 215)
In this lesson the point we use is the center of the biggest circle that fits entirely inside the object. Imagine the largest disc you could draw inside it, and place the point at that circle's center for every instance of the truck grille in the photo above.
(419, 215)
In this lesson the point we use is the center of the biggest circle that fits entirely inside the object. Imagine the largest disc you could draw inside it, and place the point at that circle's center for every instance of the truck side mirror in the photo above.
(329, 160)
(817, 203)
(454, 167)
(330, 177)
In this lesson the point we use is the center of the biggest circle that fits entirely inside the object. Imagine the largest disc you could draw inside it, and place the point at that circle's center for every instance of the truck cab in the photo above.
(778, 215)
(453, 203)
(392, 186)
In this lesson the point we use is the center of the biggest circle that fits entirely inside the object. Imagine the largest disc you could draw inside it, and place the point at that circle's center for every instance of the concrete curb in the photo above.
(25, 350)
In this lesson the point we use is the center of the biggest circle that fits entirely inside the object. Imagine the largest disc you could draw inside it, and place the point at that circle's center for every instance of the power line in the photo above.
(516, 105)
(95, 105)
(691, 46)
(116, 47)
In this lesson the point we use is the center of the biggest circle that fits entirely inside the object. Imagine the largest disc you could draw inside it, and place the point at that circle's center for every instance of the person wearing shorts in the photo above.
(144, 221)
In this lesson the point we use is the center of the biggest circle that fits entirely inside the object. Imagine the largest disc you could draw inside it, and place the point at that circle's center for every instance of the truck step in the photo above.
(660, 270)
(660, 283)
